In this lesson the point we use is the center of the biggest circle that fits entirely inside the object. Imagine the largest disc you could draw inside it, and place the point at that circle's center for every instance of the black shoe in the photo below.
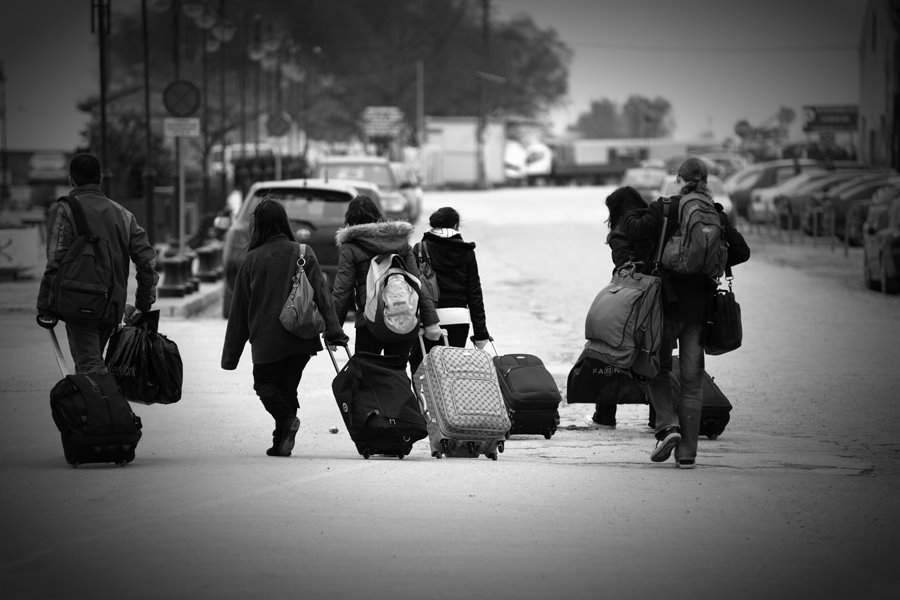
(667, 439)
(288, 432)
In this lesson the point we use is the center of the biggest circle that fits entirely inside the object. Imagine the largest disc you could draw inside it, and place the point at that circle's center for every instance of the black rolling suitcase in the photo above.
(95, 421)
(530, 393)
(376, 400)
(716, 410)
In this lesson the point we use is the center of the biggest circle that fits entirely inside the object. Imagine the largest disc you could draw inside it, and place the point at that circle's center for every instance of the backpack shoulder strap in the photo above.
(81, 225)
(666, 207)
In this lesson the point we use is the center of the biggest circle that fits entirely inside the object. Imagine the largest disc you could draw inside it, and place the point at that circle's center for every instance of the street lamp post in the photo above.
(101, 10)
(4, 166)
(148, 164)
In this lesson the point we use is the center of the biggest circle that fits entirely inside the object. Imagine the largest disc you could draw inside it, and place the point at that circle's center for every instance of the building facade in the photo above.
(879, 89)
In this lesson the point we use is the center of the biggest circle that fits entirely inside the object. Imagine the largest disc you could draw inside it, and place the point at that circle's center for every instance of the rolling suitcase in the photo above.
(464, 409)
(531, 395)
(715, 412)
(380, 410)
(95, 421)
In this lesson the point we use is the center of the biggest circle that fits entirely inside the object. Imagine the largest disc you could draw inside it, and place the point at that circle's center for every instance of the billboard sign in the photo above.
(842, 117)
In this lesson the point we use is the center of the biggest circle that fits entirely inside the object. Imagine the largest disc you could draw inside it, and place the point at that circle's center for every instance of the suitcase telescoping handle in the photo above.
(444, 336)
(337, 369)
(60, 359)
(490, 339)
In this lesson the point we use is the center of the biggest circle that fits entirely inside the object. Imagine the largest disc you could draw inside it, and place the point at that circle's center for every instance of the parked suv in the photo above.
(375, 169)
(315, 209)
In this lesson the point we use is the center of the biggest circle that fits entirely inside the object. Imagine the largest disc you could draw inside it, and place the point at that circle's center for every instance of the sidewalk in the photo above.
(21, 296)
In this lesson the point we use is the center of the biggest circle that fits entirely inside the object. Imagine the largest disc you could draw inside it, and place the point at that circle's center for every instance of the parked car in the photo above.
(670, 188)
(762, 200)
(856, 211)
(796, 201)
(316, 211)
(881, 246)
(646, 180)
(410, 187)
(728, 162)
(375, 169)
(762, 175)
(838, 201)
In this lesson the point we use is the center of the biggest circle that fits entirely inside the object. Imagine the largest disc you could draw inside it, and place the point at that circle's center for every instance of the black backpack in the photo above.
(81, 289)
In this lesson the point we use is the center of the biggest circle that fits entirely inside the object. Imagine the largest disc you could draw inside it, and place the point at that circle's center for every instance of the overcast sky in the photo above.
(717, 61)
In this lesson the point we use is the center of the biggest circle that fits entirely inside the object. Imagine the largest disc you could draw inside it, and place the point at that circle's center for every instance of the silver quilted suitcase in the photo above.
(464, 409)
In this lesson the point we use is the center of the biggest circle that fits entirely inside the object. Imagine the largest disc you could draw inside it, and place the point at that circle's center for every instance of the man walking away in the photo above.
(114, 228)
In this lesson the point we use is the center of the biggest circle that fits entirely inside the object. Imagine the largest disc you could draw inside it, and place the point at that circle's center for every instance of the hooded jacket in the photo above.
(456, 270)
(127, 243)
(357, 245)
(262, 285)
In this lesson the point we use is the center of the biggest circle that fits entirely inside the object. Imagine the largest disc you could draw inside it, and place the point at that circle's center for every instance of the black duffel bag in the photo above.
(591, 381)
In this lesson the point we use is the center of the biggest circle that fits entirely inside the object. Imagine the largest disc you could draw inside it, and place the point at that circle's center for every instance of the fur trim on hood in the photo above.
(384, 236)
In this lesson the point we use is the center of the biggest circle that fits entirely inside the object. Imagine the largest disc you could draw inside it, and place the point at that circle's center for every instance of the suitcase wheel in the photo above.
(400, 456)
(500, 447)
(366, 454)
(437, 454)
(712, 436)
(492, 456)
(508, 433)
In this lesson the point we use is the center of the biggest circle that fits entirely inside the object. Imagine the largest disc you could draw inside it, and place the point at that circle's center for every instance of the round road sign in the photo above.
(278, 124)
(181, 98)
(742, 128)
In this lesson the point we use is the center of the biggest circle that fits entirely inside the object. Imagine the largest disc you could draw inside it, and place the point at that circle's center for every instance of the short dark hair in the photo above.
(269, 219)
(84, 168)
(362, 209)
(444, 217)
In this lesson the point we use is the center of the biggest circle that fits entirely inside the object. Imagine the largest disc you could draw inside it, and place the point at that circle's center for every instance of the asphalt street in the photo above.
(797, 499)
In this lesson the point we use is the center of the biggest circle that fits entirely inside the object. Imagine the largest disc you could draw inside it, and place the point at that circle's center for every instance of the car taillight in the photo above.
(393, 202)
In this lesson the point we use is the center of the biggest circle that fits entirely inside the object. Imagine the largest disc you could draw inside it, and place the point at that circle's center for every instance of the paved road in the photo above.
(796, 499)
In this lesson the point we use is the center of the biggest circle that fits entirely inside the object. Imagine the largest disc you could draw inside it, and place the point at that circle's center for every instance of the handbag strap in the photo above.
(667, 203)
(301, 262)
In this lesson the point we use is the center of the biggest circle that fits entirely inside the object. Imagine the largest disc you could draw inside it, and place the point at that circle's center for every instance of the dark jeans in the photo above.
(86, 343)
(276, 385)
(366, 342)
(457, 335)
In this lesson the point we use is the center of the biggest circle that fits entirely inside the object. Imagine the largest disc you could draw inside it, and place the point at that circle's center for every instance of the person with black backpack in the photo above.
(365, 237)
(460, 299)
(91, 241)
(699, 244)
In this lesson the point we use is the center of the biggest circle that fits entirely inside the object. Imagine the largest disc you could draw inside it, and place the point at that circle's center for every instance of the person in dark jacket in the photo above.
(456, 271)
(620, 202)
(367, 235)
(262, 285)
(686, 300)
(128, 243)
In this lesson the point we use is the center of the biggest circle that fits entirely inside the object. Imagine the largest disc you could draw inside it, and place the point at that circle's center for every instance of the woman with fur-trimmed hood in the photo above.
(365, 236)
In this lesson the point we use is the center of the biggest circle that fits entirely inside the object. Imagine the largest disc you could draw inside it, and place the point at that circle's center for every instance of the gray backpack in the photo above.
(698, 245)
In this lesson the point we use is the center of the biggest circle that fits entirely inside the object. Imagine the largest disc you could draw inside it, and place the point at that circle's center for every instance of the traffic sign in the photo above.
(181, 127)
(181, 98)
(742, 128)
(382, 121)
(278, 124)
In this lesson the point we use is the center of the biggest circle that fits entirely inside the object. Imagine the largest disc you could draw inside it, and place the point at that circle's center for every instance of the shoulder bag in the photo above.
(724, 331)
(300, 315)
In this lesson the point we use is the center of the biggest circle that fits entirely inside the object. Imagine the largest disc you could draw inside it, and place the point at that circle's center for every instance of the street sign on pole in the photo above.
(181, 127)
(831, 118)
(382, 121)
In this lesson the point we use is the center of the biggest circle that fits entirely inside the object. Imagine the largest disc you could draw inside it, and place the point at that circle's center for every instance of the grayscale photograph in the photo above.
(438, 299)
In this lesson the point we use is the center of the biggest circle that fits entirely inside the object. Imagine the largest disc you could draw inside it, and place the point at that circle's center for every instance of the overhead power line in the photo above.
(718, 49)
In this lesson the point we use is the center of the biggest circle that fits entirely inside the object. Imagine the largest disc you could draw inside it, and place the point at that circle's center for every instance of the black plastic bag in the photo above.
(145, 363)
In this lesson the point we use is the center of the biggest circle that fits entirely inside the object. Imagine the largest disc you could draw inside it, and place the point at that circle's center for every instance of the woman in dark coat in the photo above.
(456, 271)
(365, 236)
(619, 203)
(261, 288)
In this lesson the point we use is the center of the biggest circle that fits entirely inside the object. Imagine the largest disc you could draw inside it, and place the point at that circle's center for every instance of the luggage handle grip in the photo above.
(490, 339)
(337, 369)
(60, 359)
(445, 335)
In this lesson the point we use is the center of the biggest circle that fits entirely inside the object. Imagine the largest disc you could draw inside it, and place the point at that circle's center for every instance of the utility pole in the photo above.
(482, 92)
(420, 103)
(100, 9)
(4, 160)
(149, 174)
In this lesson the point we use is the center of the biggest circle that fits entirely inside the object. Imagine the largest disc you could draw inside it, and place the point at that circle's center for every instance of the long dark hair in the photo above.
(620, 202)
(694, 174)
(269, 220)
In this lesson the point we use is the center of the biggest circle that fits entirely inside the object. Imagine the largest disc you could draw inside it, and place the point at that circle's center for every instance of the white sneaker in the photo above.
(592, 424)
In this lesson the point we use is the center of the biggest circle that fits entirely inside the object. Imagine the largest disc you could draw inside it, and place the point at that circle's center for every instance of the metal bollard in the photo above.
(173, 285)
(192, 281)
(206, 269)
